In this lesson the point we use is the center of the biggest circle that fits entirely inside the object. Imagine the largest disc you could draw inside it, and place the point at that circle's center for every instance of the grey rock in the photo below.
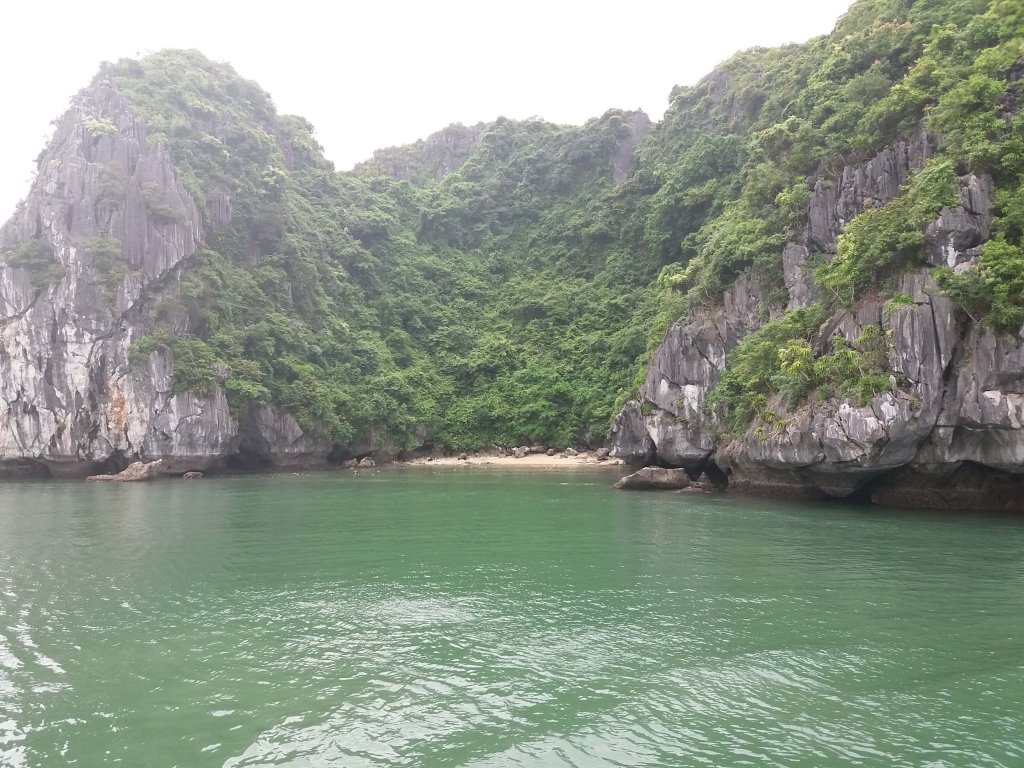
(367, 463)
(799, 281)
(954, 411)
(654, 479)
(954, 237)
(870, 184)
(192, 476)
(629, 439)
(601, 454)
(571, 452)
(520, 452)
(276, 437)
(683, 370)
(635, 128)
(69, 396)
(133, 473)
(440, 154)
(705, 483)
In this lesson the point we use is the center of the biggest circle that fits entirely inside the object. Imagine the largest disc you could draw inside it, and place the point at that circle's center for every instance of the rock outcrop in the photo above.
(136, 472)
(635, 128)
(274, 436)
(950, 430)
(860, 186)
(435, 157)
(111, 224)
(654, 479)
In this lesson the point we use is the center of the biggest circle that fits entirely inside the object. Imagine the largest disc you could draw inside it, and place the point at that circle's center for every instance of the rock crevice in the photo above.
(110, 207)
(953, 418)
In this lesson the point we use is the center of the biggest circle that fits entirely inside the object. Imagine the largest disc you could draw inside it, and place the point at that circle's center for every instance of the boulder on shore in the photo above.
(520, 452)
(134, 472)
(367, 463)
(192, 476)
(654, 479)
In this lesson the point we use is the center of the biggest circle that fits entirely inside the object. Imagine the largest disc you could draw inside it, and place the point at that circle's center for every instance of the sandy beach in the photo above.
(532, 461)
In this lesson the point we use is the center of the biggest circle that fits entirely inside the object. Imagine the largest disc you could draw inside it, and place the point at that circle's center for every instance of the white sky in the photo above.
(382, 72)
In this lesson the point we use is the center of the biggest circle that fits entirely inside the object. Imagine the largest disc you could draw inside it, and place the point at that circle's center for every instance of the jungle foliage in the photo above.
(515, 299)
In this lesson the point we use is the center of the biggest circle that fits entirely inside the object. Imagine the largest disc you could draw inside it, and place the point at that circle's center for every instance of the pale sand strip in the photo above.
(533, 461)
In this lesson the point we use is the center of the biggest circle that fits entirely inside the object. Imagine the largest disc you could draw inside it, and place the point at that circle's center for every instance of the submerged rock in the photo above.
(654, 479)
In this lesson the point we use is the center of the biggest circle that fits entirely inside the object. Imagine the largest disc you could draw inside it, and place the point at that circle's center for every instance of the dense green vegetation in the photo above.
(515, 299)
(38, 259)
(778, 361)
(493, 306)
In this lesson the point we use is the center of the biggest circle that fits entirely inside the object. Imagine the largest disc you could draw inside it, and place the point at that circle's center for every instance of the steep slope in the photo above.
(831, 233)
(107, 221)
(269, 309)
(890, 363)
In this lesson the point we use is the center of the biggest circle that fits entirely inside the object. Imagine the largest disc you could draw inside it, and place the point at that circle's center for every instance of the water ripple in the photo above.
(484, 621)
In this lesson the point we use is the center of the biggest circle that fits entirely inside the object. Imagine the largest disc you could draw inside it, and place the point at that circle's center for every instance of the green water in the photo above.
(475, 618)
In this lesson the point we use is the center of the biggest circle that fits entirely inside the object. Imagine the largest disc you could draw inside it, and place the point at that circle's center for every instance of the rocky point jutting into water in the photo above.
(110, 218)
(947, 432)
(806, 279)
(96, 271)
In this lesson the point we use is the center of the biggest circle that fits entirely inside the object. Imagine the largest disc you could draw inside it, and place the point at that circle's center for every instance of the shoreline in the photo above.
(531, 461)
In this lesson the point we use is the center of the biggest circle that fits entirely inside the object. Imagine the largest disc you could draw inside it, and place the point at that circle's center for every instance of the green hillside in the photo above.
(515, 298)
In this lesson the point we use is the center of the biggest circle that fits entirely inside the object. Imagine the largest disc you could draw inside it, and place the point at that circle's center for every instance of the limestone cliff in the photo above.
(111, 224)
(950, 430)
(434, 157)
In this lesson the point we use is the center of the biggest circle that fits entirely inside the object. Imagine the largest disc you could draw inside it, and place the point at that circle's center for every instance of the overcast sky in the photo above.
(379, 72)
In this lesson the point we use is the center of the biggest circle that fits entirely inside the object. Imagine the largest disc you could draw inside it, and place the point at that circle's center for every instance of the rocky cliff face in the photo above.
(112, 226)
(947, 433)
(434, 157)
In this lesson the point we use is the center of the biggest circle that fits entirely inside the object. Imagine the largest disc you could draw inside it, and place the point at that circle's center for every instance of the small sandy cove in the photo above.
(532, 461)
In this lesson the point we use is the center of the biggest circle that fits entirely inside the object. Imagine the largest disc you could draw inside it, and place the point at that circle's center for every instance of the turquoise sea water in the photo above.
(482, 618)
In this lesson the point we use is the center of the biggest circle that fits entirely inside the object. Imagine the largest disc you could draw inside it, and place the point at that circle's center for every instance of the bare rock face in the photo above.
(275, 437)
(654, 479)
(110, 207)
(637, 126)
(948, 432)
(135, 472)
(799, 279)
(438, 155)
(69, 395)
(860, 186)
(629, 439)
(954, 238)
(682, 371)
